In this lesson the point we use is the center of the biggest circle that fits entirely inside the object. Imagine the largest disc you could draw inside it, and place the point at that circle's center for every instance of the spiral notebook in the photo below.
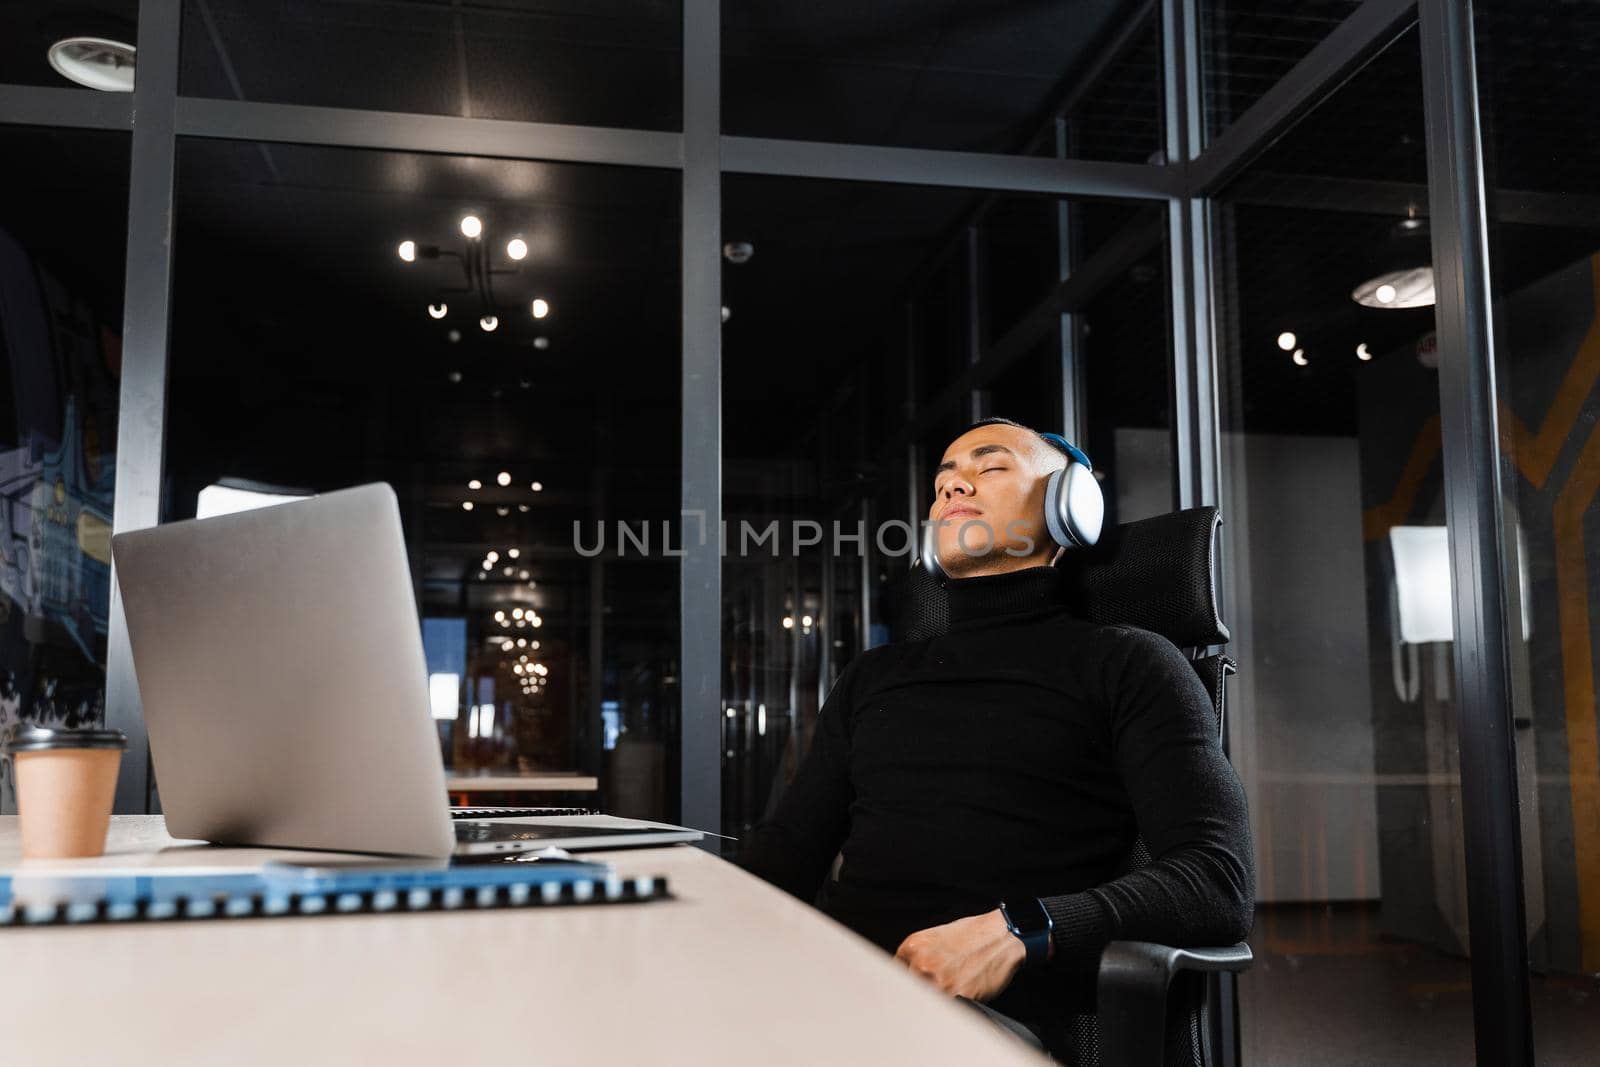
(329, 888)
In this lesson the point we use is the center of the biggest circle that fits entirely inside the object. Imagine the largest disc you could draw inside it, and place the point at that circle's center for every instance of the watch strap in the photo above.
(1036, 937)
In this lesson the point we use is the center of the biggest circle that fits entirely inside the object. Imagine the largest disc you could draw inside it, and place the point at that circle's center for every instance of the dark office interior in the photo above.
(524, 402)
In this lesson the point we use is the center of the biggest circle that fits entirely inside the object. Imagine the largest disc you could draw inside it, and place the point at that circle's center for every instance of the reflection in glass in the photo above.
(63, 203)
(870, 324)
(1544, 243)
(304, 360)
(1342, 720)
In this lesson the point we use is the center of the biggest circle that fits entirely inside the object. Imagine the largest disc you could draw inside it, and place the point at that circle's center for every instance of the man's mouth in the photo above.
(950, 513)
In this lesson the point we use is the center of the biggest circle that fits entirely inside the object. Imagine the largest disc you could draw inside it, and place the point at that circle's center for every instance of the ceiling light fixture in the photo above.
(1299, 357)
(478, 270)
(1411, 288)
(1286, 341)
(537, 487)
(474, 484)
(504, 477)
(466, 505)
(541, 307)
(1362, 353)
(94, 63)
(541, 343)
(1406, 280)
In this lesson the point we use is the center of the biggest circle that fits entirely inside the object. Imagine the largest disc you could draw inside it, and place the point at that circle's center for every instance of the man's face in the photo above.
(988, 493)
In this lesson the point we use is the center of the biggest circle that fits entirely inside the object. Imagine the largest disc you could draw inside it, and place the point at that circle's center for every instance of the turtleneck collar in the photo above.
(989, 598)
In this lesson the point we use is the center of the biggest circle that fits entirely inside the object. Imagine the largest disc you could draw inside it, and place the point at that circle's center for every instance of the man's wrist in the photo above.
(1030, 924)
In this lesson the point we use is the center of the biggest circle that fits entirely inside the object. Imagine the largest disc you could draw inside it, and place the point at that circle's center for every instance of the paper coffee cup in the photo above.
(65, 782)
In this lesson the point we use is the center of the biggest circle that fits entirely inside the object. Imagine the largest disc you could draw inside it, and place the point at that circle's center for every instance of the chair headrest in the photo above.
(1154, 573)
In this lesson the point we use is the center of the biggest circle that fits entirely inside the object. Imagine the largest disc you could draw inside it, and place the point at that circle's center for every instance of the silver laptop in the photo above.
(285, 691)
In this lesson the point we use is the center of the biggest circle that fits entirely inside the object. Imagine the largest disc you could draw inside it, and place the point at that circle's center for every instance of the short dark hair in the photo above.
(996, 420)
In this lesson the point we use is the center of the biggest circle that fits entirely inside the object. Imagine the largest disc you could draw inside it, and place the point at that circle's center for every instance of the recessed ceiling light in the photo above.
(466, 505)
(504, 477)
(516, 248)
(95, 63)
(489, 323)
(408, 251)
(471, 226)
(537, 487)
(474, 484)
(541, 307)
(438, 311)
(541, 343)
(1299, 357)
(1362, 352)
(1286, 341)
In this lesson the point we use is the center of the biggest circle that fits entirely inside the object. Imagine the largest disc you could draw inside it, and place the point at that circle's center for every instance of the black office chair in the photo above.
(1156, 1004)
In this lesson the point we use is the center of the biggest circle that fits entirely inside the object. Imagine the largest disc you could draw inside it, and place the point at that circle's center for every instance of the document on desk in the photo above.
(278, 889)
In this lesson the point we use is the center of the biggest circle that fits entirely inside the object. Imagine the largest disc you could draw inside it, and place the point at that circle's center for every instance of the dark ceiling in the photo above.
(302, 353)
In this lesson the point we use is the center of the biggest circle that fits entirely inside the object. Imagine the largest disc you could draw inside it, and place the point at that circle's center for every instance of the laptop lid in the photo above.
(280, 664)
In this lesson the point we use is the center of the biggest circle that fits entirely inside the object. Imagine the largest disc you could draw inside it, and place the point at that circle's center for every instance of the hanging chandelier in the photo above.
(478, 272)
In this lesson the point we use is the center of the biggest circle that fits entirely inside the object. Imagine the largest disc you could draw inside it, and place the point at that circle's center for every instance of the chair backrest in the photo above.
(1156, 574)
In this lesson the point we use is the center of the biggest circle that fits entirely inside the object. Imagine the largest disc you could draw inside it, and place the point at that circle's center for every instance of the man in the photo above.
(1014, 759)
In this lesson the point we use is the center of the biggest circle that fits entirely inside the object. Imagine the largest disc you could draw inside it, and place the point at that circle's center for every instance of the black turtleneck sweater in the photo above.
(1018, 755)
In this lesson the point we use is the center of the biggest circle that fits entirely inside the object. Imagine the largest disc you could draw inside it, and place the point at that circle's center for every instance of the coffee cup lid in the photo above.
(27, 738)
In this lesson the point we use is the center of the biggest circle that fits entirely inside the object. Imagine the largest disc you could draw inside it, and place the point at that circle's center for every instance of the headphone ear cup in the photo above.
(1085, 505)
(1055, 515)
(929, 559)
(1074, 506)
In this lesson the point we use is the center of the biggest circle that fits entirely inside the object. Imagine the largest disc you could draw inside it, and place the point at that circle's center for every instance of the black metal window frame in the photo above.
(1192, 173)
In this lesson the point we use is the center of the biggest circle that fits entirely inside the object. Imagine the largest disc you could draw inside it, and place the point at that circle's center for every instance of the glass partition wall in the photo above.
(784, 253)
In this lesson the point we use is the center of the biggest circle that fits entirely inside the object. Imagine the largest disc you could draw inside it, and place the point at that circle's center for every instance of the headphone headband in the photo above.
(1072, 450)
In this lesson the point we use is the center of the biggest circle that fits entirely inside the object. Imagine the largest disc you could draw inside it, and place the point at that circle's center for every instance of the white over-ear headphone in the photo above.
(1074, 506)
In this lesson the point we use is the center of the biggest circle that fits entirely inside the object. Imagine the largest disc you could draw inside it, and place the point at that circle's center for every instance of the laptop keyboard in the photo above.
(518, 813)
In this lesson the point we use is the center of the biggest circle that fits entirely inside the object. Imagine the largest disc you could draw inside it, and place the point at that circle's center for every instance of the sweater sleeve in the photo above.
(1199, 888)
(795, 845)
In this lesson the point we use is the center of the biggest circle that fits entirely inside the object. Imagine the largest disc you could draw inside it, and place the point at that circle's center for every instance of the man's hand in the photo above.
(975, 957)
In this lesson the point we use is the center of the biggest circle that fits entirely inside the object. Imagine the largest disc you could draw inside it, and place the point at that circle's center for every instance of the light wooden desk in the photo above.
(733, 971)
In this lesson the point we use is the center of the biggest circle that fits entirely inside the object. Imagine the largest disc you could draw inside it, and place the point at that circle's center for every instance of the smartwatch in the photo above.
(1032, 924)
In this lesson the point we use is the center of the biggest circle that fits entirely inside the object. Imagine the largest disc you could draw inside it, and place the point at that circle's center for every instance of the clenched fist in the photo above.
(975, 957)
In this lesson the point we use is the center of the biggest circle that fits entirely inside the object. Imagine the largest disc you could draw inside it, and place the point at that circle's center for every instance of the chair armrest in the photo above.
(1131, 1010)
